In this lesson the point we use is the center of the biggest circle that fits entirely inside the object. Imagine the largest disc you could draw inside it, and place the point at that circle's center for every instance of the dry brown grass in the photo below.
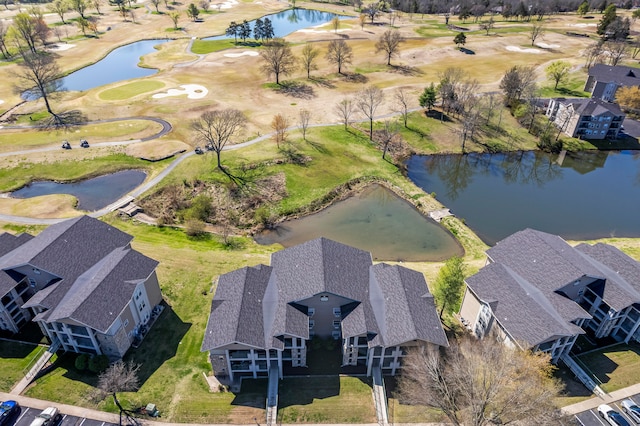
(46, 206)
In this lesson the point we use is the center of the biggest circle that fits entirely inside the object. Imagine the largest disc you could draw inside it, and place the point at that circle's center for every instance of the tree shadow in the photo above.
(68, 120)
(438, 115)
(467, 51)
(406, 70)
(570, 93)
(318, 147)
(160, 344)
(355, 77)
(343, 35)
(296, 89)
(322, 82)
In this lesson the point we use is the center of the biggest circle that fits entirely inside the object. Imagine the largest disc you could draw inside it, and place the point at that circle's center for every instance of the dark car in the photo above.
(8, 412)
(66, 145)
(612, 416)
(84, 143)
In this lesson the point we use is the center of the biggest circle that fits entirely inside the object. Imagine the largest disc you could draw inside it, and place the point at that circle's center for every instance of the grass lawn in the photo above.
(130, 90)
(326, 400)
(616, 366)
(14, 358)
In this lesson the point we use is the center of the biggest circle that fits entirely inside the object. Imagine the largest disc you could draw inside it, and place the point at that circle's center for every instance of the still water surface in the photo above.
(92, 194)
(583, 195)
(375, 220)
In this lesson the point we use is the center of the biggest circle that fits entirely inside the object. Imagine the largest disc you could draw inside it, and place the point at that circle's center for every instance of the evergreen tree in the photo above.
(267, 29)
(607, 18)
(258, 30)
(428, 97)
(232, 30)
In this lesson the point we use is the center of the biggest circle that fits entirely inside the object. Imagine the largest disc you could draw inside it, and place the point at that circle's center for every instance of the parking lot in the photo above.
(28, 414)
(592, 417)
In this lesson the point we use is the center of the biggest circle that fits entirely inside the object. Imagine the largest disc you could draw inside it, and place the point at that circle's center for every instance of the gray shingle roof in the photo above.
(592, 106)
(529, 270)
(622, 285)
(397, 309)
(523, 310)
(626, 76)
(97, 267)
(9, 242)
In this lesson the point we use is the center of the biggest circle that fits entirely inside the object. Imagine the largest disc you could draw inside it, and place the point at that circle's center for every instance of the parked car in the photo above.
(84, 143)
(66, 145)
(8, 411)
(199, 150)
(631, 409)
(48, 417)
(612, 416)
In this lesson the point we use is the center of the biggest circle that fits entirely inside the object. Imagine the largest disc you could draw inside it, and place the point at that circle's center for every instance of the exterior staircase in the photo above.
(380, 396)
(272, 395)
(34, 368)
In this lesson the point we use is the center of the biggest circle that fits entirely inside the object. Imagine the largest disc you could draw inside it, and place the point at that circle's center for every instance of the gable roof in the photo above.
(98, 271)
(591, 107)
(623, 75)
(530, 268)
(391, 304)
(68, 248)
(524, 311)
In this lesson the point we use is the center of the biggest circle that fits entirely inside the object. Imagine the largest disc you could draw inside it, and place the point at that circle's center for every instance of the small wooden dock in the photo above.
(437, 215)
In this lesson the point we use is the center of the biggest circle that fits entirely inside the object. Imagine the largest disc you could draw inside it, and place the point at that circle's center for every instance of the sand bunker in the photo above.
(245, 53)
(548, 46)
(584, 25)
(193, 91)
(226, 5)
(521, 50)
(1, 101)
(59, 47)
(307, 30)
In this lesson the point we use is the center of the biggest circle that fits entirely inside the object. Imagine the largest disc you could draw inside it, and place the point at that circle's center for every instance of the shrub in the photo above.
(99, 363)
(194, 227)
(81, 362)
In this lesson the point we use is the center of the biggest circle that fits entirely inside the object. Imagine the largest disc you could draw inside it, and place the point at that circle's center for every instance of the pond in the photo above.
(375, 220)
(119, 65)
(288, 21)
(92, 194)
(579, 196)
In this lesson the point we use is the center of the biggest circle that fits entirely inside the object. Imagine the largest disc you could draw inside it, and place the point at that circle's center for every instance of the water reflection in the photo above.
(375, 220)
(576, 195)
(288, 21)
(92, 194)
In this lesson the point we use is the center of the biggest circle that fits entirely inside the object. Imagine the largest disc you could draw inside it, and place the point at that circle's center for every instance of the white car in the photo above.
(631, 409)
(47, 418)
(612, 416)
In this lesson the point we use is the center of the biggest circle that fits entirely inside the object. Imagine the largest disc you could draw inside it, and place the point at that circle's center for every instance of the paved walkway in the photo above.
(89, 413)
(607, 399)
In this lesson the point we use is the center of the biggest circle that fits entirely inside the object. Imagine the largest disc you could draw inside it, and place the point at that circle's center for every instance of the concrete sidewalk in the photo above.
(114, 418)
(607, 399)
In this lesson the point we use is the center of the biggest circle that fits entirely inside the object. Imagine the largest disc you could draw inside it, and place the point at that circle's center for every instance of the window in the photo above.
(336, 324)
(324, 298)
(337, 313)
(335, 335)
(312, 323)
(311, 311)
(36, 271)
(142, 305)
(32, 282)
(126, 322)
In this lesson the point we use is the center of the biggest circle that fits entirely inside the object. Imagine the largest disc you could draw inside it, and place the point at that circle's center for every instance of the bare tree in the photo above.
(368, 101)
(309, 55)
(59, 7)
(470, 123)
(277, 59)
(450, 80)
(388, 135)
(3, 39)
(372, 11)
(279, 124)
(339, 53)
(594, 54)
(362, 18)
(536, 31)
(79, 6)
(402, 103)
(39, 74)
(488, 25)
(389, 43)
(483, 382)
(120, 377)
(617, 50)
(344, 110)
(215, 128)
(96, 5)
(305, 117)
(156, 5)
